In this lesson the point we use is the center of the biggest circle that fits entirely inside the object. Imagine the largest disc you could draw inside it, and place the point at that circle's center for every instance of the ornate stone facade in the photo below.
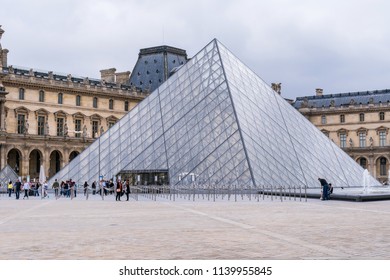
(358, 122)
(48, 119)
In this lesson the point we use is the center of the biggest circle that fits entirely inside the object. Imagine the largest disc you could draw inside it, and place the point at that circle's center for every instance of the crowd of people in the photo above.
(28, 188)
(68, 188)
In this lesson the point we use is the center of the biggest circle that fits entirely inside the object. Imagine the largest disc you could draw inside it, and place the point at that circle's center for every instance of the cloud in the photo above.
(338, 46)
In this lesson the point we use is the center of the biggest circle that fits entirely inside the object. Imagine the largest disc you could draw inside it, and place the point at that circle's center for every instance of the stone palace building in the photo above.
(358, 122)
(48, 118)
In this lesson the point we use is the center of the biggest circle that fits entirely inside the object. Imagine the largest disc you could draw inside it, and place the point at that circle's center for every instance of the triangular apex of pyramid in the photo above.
(214, 121)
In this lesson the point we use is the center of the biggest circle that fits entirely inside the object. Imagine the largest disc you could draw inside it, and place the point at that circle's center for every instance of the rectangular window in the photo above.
(343, 140)
(21, 123)
(362, 139)
(382, 138)
(95, 125)
(60, 126)
(126, 106)
(77, 127)
(78, 100)
(342, 118)
(323, 119)
(21, 94)
(41, 125)
(41, 96)
(361, 117)
(60, 98)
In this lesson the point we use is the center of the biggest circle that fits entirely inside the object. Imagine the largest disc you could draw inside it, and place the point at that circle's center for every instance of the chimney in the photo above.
(277, 87)
(319, 91)
(108, 75)
(123, 77)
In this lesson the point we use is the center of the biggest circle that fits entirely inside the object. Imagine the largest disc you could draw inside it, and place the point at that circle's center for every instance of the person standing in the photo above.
(85, 188)
(325, 188)
(26, 188)
(127, 190)
(10, 187)
(18, 186)
(94, 187)
(118, 191)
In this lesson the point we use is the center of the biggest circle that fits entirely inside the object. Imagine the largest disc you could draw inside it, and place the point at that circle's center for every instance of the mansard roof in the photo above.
(343, 99)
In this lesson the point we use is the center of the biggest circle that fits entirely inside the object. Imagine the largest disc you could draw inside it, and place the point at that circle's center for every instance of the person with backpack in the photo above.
(10, 187)
(325, 187)
(18, 187)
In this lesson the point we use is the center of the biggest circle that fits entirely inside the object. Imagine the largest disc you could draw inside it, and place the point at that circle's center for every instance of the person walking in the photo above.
(18, 187)
(55, 186)
(26, 188)
(10, 187)
(325, 188)
(127, 190)
(45, 188)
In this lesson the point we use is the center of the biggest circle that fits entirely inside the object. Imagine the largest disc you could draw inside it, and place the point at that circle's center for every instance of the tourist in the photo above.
(55, 186)
(330, 191)
(36, 189)
(127, 190)
(45, 188)
(73, 188)
(94, 187)
(26, 188)
(325, 188)
(85, 188)
(66, 189)
(62, 188)
(118, 190)
(17, 186)
(10, 188)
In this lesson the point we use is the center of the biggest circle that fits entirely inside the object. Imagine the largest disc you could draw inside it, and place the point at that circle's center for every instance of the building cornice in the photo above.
(30, 82)
(344, 110)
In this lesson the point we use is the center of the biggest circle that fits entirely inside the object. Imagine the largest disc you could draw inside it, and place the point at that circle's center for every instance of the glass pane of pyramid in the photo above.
(215, 121)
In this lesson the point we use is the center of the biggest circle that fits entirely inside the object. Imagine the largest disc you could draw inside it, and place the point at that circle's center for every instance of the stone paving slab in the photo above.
(185, 229)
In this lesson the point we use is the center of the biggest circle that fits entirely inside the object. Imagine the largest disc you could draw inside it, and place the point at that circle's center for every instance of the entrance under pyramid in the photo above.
(214, 121)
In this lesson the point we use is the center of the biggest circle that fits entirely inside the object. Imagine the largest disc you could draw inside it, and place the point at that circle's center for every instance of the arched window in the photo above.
(111, 104)
(382, 168)
(21, 94)
(60, 98)
(41, 96)
(78, 100)
(363, 162)
(95, 102)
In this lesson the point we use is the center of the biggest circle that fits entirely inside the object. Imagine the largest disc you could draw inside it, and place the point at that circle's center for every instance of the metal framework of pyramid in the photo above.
(7, 174)
(217, 121)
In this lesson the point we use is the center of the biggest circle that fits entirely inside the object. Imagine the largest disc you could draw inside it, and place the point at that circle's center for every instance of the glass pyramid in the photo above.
(217, 122)
(7, 174)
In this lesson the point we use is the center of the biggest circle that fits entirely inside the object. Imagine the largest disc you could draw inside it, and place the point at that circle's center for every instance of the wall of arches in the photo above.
(378, 166)
(27, 162)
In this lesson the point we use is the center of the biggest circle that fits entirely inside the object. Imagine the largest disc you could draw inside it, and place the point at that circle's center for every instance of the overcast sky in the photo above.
(340, 46)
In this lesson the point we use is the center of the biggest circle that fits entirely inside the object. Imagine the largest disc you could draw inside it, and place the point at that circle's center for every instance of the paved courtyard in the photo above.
(184, 229)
